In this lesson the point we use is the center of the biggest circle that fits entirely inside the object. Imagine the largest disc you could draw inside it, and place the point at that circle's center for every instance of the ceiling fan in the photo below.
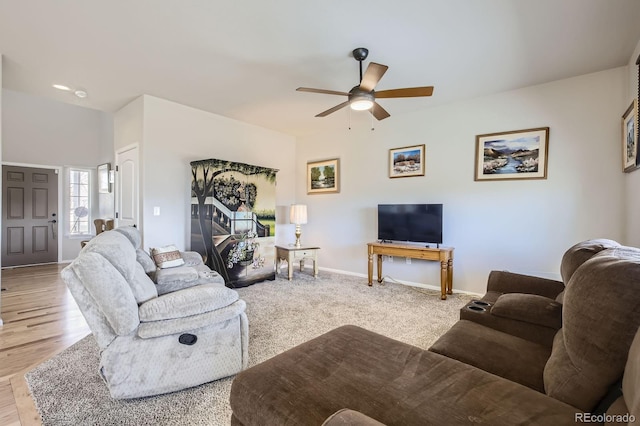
(363, 97)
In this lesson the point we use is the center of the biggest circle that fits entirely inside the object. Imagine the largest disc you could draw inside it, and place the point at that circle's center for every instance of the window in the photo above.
(79, 212)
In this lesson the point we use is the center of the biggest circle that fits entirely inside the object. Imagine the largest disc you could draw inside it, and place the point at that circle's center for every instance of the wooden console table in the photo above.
(443, 254)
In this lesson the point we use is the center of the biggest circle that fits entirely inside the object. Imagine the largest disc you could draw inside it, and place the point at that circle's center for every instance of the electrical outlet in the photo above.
(408, 261)
(390, 259)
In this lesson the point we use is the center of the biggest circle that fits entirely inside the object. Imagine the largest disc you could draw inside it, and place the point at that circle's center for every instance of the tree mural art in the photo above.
(233, 219)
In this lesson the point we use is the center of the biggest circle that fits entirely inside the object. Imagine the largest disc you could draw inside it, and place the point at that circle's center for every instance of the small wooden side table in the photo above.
(290, 254)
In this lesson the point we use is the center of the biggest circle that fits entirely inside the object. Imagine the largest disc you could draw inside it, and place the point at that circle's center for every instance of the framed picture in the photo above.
(104, 184)
(406, 161)
(630, 138)
(323, 176)
(519, 154)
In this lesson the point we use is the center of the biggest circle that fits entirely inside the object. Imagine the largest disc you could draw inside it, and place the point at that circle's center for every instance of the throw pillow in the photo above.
(167, 256)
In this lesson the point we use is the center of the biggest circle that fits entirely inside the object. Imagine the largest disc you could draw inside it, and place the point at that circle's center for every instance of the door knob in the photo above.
(53, 221)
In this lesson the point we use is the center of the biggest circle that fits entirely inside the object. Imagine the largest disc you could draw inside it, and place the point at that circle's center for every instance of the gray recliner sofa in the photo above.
(155, 342)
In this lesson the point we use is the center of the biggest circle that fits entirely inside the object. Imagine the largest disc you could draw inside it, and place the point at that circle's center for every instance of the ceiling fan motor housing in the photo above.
(360, 53)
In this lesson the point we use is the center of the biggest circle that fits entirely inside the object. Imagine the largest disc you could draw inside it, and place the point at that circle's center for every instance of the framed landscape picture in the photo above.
(629, 138)
(406, 161)
(323, 176)
(519, 154)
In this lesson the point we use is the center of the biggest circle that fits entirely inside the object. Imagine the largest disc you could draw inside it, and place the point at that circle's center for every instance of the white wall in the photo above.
(172, 136)
(522, 226)
(632, 180)
(39, 131)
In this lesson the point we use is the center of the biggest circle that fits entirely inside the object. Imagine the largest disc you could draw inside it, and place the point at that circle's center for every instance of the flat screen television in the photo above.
(421, 223)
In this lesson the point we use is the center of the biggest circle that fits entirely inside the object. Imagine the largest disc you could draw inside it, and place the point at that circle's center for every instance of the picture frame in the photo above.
(630, 138)
(517, 154)
(323, 176)
(407, 161)
(104, 184)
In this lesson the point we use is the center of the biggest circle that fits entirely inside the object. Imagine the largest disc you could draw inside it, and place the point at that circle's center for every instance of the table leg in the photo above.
(301, 265)
(290, 266)
(379, 268)
(443, 279)
(450, 276)
(370, 269)
(315, 268)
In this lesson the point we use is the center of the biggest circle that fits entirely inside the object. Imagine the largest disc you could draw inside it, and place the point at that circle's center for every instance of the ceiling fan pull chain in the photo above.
(349, 118)
(372, 128)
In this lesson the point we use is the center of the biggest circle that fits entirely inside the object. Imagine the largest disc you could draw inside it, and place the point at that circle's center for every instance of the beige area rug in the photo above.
(68, 390)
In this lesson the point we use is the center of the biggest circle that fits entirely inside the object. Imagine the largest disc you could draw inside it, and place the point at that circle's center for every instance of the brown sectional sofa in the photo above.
(484, 371)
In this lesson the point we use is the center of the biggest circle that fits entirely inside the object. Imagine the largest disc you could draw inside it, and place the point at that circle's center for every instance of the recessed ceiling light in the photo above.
(80, 93)
(62, 87)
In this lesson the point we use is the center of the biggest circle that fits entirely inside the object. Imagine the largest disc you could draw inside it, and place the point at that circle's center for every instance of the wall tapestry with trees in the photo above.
(233, 207)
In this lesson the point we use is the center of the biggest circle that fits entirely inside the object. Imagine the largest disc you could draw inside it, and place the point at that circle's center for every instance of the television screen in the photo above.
(410, 222)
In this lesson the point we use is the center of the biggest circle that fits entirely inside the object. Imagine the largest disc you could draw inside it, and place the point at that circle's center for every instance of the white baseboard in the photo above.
(407, 283)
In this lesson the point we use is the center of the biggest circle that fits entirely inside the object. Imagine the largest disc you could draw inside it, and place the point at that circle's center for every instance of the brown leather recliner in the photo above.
(473, 373)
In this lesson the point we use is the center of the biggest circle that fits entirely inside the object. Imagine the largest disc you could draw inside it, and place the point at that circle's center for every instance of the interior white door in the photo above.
(127, 187)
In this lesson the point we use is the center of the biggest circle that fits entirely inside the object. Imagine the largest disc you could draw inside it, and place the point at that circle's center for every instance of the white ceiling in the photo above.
(244, 59)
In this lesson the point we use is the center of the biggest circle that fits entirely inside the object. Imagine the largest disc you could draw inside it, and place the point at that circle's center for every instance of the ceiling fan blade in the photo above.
(409, 92)
(372, 76)
(378, 112)
(334, 109)
(326, 92)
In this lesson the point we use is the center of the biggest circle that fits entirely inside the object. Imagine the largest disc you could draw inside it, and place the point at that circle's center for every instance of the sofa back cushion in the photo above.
(599, 320)
(133, 235)
(109, 290)
(117, 249)
(580, 253)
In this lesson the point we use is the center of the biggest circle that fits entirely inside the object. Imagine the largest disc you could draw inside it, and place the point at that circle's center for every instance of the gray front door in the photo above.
(29, 216)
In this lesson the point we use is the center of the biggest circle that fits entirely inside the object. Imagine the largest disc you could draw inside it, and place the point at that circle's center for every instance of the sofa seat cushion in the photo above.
(387, 380)
(529, 308)
(149, 330)
(499, 353)
(191, 301)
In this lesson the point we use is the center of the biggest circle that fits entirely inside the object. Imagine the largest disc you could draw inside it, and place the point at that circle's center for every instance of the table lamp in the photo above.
(298, 216)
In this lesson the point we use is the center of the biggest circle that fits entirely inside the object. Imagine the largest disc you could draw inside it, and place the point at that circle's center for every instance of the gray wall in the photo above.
(42, 132)
(523, 226)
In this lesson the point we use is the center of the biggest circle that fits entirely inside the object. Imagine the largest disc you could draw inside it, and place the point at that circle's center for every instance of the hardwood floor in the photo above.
(40, 319)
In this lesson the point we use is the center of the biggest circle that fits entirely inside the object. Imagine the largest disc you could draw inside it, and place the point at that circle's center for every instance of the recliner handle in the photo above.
(188, 339)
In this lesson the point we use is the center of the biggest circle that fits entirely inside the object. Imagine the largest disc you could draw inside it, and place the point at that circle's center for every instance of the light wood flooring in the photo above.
(40, 320)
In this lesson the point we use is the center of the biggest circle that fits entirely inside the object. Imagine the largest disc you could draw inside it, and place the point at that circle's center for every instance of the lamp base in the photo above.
(298, 233)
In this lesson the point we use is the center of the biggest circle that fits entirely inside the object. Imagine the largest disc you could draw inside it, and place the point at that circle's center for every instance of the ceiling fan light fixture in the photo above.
(361, 105)
(361, 101)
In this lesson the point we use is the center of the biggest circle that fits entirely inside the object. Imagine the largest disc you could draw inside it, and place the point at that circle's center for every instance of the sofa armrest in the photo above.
(348, 417)
(529, 308)
(191, 258)
(189, 301)
(509, 282)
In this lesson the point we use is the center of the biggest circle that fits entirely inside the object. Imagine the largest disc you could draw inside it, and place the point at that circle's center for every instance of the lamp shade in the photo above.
(298, 214)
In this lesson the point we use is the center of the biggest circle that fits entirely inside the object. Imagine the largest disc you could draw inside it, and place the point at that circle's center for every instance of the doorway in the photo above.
(29, 216)
(127, 186)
